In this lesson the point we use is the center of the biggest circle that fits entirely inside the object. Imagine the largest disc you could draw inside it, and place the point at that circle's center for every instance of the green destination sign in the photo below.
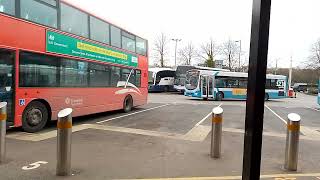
(63, 44)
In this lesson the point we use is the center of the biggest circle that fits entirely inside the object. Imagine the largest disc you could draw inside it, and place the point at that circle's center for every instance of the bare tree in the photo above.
(161, 48)
(230, 51)
(314, 58)
(207, 52)
(187, 53)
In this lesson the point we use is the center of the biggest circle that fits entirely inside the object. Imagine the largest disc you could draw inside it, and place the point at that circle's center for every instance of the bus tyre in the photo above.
(34, 117)
(127, 104)
(266, 97)
(219, 96)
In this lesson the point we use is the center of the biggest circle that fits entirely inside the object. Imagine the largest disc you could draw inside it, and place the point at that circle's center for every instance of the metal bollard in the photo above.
(64, 131)
(292, 142)
(3, 129)
(216, 132)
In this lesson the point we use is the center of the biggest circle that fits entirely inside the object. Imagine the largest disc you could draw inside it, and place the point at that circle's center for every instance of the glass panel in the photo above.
(243, 82)
(37, 70)
(204, 85)
(125, 74)
(128, 44)
(7, 6)
(128, 35)
(232, 83)
(6, 80)
(51, 2)
(132, 78)
(99, 30)
(73, 73)
(99, 75)
(138, 78)
(115, 37)
(115, 76)
(74, 20)
(141, 46)
(39, 13)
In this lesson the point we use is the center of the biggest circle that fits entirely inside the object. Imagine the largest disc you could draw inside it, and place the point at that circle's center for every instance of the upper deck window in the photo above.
(51, 2)
(99, 30)
(74, 20)
(39, 13)
(115, 37)
(7, 6)
(141, 46)
(128, 42)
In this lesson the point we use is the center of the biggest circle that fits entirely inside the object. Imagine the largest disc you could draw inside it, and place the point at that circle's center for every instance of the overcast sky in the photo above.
(294, 23)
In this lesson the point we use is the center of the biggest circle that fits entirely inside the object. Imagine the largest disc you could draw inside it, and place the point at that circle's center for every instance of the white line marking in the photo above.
(312, 108)
(284, 121)
(131, 114)
(203, 119)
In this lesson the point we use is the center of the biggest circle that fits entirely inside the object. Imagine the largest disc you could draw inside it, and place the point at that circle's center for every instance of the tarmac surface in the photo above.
(169, 138)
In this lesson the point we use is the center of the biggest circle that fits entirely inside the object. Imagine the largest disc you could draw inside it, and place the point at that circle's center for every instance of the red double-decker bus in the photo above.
(54, 55)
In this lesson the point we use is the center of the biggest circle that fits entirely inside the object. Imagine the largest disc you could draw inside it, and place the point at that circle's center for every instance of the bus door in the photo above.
(207, 87)
(7, 82)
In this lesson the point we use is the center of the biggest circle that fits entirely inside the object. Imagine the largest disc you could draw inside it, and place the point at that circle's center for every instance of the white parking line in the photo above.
(284, 121)
(203, 119)
(312, 108)
(132, 114)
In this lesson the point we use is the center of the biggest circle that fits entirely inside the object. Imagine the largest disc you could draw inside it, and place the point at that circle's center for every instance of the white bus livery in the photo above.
(230, 85)
(181, 72)
(161, 79)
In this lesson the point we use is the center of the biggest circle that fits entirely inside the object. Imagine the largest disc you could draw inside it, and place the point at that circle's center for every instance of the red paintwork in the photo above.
(18, 34)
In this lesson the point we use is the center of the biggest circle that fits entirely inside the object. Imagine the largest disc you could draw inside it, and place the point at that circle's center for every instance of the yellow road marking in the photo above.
(276, 176)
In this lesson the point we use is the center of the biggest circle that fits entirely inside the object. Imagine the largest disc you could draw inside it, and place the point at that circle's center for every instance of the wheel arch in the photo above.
(47, 105)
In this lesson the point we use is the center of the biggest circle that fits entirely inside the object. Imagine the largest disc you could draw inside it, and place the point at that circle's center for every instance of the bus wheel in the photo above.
(127, 104)
(219, 96)
(34, 117)
(266, 97)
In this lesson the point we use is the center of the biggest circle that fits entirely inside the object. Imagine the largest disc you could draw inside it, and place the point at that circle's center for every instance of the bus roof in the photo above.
(211, 69)
(200, 68)
(155, 70)
(236, 74)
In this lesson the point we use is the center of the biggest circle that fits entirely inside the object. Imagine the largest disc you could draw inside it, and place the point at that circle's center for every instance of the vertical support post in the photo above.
(256, 89)
(292, 142)
(216, 132)
(64, 131)
(3, 129)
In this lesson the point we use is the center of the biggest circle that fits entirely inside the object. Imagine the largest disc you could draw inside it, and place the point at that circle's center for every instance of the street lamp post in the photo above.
(175, 51)
(239, 41)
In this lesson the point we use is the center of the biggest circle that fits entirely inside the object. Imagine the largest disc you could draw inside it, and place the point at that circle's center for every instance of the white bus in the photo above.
(181, 72)
(161, 79)
(230, 85)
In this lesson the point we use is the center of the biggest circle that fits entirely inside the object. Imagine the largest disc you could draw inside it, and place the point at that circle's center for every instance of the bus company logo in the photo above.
(51, 37)
(67, 100)
(73, 102)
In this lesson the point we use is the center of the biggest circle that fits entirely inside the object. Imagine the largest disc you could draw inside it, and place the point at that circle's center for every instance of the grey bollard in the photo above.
(292, 142)
(216, 132)
(3, 129)
(64, 131)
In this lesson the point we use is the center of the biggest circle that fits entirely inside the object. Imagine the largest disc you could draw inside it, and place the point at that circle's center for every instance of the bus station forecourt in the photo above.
(118, 129)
